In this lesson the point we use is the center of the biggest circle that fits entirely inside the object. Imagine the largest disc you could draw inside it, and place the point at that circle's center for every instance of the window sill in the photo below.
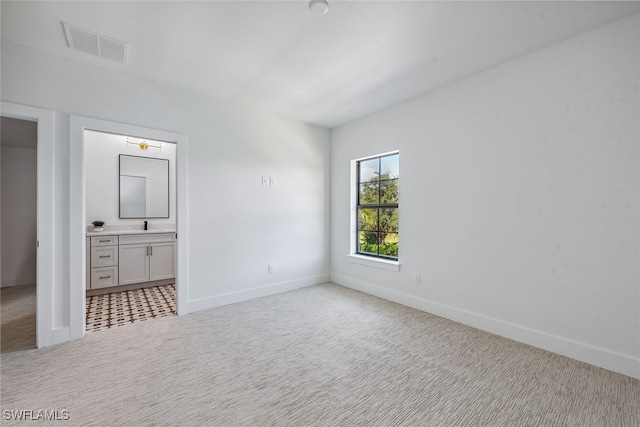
(384, 264)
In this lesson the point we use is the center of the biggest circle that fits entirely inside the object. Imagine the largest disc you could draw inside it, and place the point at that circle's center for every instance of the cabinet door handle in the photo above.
(147, 250)
(104, 241)
(151, 247)
(104, 277)
(105, 256)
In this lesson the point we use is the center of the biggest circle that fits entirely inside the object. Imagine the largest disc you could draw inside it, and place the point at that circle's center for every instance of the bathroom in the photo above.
(130, 192)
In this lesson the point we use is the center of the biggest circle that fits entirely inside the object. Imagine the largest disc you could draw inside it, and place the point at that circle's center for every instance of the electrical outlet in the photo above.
(416, 278)
(270, 268)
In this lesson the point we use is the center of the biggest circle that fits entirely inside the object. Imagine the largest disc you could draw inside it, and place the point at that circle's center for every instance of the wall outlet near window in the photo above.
(270, 268)
(416, 278)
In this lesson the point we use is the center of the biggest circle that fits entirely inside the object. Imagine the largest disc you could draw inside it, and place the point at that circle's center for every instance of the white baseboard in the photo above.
(13, 285)
(60, 335)
(602, 358)
(248, 294)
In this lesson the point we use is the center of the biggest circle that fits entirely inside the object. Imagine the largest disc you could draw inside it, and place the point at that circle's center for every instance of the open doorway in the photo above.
(45, 333)
(18, 233)
(131, 225)
(79, 238)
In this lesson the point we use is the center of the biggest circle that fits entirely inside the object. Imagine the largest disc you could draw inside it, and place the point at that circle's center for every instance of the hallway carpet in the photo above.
(17, 318)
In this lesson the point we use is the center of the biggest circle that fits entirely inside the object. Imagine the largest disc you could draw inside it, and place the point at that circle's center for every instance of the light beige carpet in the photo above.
(319, 356)
(17, 318)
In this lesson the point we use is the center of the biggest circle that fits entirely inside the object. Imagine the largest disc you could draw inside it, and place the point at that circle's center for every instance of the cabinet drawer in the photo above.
(104, 277)
(104, 240)
(103, 256)
(127, 239)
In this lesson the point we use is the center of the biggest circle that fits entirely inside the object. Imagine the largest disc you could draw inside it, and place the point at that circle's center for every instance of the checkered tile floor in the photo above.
(120, 308)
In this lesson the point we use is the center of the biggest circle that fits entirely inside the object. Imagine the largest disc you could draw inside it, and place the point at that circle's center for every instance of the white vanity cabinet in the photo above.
(146, 257)
(103, 259)
(162, 260)
(135, 263)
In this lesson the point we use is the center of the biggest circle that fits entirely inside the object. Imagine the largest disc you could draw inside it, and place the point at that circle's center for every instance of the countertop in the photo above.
(119, 232)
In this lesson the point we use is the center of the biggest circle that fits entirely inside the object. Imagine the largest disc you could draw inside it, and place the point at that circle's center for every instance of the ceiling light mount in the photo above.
(319, 7)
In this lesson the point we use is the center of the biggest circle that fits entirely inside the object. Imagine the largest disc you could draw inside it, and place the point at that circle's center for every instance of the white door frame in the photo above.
(45, 215)
(77, 214)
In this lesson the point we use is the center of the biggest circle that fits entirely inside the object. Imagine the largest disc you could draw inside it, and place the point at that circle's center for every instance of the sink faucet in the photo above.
(145, 225)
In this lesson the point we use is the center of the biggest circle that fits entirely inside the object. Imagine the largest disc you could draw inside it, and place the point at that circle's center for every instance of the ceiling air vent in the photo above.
(95, 44)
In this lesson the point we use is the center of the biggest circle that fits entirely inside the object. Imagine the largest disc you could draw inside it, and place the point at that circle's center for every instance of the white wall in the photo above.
(19, 215)
(102, 156)
(518, 198)
(237, 226)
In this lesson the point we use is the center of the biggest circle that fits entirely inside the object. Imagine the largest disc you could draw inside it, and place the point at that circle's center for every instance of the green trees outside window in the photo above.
(378, 206)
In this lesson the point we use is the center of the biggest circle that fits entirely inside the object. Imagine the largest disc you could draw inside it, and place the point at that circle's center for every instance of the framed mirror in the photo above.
(144, 187)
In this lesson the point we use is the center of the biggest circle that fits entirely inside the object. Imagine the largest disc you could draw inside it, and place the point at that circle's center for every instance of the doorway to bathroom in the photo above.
(127, 262)
(130, 201)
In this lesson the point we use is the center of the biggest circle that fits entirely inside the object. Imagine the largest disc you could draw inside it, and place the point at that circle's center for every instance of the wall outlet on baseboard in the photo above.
(416, 278)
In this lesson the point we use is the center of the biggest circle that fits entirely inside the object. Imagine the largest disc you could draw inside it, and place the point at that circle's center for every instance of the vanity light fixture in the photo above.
(143, 145)
(319, 7)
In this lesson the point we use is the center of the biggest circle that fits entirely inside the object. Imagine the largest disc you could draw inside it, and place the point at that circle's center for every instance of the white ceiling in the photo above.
(361, 57)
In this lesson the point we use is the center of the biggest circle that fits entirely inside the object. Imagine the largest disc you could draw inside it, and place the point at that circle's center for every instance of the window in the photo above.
(377, 206)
